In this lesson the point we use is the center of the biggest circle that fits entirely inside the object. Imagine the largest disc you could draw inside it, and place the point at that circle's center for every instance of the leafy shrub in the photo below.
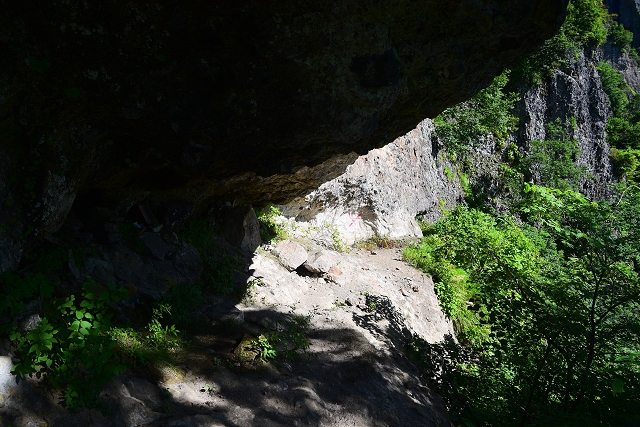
(552, 161)
(72, 347)
(585, 25)
(290, 340)
(152, 344)
(625, 163)
(623, 133)
(270, 227)
(466, 125)
(619, 35)
(615, 87)
(559, 299)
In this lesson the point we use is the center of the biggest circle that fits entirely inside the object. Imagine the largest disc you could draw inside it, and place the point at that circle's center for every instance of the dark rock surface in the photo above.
(181, 102)
(575, 92)
(628, 12)
(241, 228)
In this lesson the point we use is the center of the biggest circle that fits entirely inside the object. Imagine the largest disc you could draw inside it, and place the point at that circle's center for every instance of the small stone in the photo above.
(335, 271)
(321, 261)
(291, 254)
(415, 289)
(374, 253)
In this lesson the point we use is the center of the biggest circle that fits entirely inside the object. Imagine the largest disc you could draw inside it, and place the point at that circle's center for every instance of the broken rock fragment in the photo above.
(291, 254)
(321, 262)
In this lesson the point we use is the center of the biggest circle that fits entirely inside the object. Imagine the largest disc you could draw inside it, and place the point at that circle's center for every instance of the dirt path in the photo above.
(346, 330)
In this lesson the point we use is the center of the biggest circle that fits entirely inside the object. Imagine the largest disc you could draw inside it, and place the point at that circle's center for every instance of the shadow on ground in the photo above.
(341, 380)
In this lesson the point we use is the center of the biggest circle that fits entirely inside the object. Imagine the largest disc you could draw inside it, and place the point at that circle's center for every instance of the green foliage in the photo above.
(620, 36)
(623, 128)
(552, 161)
(586, 22)
(625, 163)
(559, 297)
(338, 243)
(72, 347)
(615, 87)
(466, 125)
(622, 133)
(161, 337)
(270, 227)
(153, 344)
(264, 346)
(585, 25)
(290, 340)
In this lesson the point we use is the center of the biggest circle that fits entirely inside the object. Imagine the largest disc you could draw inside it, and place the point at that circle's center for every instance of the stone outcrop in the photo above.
(381, 193)
(291, 254)
(188, 101)
(573, 94)
(628, 12)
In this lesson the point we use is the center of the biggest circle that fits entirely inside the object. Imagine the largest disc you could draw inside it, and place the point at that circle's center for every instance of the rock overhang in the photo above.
(253, 101)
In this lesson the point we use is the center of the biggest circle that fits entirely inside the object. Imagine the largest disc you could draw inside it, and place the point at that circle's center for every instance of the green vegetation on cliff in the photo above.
(544, 296)
(546, 310)
(623, 127)
(585, 25)
(488, 114)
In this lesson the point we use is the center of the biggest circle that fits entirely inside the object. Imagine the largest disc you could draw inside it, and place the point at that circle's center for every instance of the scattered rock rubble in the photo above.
(362, 307)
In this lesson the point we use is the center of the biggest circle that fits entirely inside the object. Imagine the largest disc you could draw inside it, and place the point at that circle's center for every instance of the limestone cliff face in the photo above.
(126, 100)
(383, 191)
(572, 94)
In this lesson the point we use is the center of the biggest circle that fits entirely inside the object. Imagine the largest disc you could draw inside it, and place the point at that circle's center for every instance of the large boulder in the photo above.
(188, 101)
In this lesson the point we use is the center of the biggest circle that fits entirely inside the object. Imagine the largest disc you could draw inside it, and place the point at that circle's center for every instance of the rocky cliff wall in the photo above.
(124, 101)
(381, 193)
(574, 96)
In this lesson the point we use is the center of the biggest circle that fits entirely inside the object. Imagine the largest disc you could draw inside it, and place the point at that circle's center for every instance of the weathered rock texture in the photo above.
(381, 193)
(621, 61)
(573, 93)
(360, 308)
(189, 100)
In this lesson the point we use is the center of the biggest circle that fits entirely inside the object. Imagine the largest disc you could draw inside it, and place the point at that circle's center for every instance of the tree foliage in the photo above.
(552, 161)
(556, 301)
(72, 347)
(585, 25)
(466, 125)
